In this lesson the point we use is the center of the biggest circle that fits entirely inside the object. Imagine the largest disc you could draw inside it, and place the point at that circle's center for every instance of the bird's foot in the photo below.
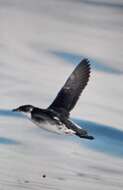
(69, 131)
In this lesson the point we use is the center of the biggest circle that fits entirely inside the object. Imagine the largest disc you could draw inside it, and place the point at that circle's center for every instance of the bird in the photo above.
(56, 117)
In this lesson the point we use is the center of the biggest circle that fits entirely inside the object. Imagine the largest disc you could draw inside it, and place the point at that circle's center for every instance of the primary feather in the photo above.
(72, 89)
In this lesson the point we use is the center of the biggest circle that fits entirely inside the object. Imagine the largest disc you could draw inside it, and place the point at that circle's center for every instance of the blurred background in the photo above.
(41, 42)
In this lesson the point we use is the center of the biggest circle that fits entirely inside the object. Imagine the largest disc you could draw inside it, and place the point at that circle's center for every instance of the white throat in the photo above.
(27, 114)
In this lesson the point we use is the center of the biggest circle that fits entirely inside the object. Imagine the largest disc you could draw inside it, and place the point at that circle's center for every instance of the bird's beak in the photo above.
(15, 110)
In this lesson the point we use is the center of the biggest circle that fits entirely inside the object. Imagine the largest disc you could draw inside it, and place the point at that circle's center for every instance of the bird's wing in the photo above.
(70, 92)
(73, 126)
(80, 132)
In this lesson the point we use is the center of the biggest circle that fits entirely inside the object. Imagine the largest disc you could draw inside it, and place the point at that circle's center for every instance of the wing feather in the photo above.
(70, 92)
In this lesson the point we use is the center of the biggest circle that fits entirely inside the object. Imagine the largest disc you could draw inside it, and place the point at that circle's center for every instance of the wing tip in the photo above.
(86, 62)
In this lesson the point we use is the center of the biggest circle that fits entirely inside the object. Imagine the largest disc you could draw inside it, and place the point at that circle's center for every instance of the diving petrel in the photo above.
(55, 118)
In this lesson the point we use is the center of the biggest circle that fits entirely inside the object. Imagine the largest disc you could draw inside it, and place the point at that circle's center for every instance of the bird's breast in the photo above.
(51, 126)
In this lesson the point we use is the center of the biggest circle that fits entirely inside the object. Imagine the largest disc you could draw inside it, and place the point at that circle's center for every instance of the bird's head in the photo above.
(24, 108)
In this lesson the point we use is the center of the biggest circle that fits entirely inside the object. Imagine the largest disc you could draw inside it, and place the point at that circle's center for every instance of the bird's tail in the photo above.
(85, 136)
(82, 133)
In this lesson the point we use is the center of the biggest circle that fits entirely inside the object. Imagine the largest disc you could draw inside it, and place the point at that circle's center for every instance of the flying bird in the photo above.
(56, 118)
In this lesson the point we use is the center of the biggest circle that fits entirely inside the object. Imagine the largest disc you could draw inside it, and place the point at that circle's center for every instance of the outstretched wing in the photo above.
(70, 92)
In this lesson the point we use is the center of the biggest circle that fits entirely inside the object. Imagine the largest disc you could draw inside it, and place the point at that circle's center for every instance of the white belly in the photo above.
(59, 129)
(54, 128)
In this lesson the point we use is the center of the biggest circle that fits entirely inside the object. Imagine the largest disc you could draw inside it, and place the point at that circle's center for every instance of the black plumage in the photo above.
(57, 114)
(75, 84)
